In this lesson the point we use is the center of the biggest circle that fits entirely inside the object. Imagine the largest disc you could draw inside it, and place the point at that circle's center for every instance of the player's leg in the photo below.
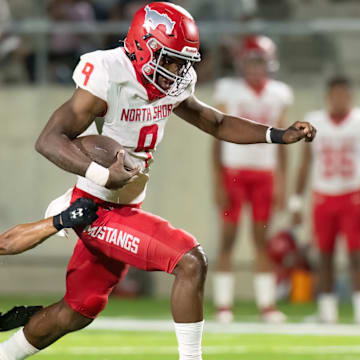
(354, 257)
(52, 323)
(264, 277)
(223, 278)
(89, 283)
(350, 226)
(43, 329)
(325, 223)
(150, 243)
(17, 316)
(327, 300)
(187, 298)
(188, 290)
(261, 198)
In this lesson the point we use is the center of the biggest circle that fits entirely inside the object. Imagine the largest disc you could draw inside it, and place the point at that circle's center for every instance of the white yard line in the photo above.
(147, 350)
(126, 324)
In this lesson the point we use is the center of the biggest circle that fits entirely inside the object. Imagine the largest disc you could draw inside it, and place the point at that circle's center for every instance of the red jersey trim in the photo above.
(149, 157)
(258, 89)
(337, 120)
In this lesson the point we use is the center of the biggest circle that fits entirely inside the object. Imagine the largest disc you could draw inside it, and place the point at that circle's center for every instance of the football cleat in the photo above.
(273, 316)
(17, 316)
(224, 316)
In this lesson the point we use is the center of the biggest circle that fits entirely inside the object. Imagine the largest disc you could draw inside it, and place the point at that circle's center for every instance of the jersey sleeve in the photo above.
(221, 93)
(91, 74)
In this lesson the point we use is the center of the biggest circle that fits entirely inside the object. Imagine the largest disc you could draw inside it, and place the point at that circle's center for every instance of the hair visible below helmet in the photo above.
(259, 46)
(161, 30)
(339, 80)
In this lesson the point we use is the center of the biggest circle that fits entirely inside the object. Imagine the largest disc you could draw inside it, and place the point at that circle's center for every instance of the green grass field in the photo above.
(149, 308)
(111, 345)
(155, 345)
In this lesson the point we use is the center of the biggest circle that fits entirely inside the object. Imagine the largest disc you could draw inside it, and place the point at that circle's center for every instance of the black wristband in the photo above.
(276, 136)
(57, 222)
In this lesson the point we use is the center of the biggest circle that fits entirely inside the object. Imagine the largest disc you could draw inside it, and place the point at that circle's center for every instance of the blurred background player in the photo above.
(334, 160)
(248, 174)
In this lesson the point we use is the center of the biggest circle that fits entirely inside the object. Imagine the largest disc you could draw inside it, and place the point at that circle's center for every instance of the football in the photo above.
(98, 148)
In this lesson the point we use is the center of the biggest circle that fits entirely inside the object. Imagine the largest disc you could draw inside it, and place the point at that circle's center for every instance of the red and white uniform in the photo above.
(123, 234)
(336, 179)
(131, 119)
(248, 169)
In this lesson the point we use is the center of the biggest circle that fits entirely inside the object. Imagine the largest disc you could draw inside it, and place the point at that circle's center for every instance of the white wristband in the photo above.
(295, 203)
(268, 137)
(97, 173)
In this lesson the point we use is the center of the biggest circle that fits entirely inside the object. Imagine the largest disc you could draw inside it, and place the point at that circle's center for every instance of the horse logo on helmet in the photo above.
(153, 19)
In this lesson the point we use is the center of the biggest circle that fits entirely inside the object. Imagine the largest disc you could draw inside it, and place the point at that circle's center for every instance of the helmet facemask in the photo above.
(153, 69)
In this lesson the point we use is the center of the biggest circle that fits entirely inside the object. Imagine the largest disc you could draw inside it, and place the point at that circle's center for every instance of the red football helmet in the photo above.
(259, 46)
(160, 30)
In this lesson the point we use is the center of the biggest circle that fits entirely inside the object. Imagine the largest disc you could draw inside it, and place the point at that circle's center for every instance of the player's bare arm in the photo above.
(24, 237)
(239, 130)
(66, 123)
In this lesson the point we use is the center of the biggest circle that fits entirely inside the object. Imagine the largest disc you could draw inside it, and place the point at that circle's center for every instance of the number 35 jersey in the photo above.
(132, 119)
(335, 153)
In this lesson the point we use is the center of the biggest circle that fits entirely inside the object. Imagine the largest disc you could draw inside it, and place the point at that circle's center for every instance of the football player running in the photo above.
(334, 163)
(249, 174)
(135, 88)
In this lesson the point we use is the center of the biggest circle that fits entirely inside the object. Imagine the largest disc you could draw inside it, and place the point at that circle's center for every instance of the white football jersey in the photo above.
(264, 107)
(336, 153)
(131, 119)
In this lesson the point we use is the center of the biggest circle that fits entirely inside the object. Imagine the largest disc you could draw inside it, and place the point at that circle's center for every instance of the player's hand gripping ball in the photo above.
(101, 149)
(108, 153)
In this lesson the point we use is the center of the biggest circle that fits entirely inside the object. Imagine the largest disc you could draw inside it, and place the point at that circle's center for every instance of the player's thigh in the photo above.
(325, 226)
(261, 194)
(137, 238)
(350, 222)
(90, 279)
(235, 189)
